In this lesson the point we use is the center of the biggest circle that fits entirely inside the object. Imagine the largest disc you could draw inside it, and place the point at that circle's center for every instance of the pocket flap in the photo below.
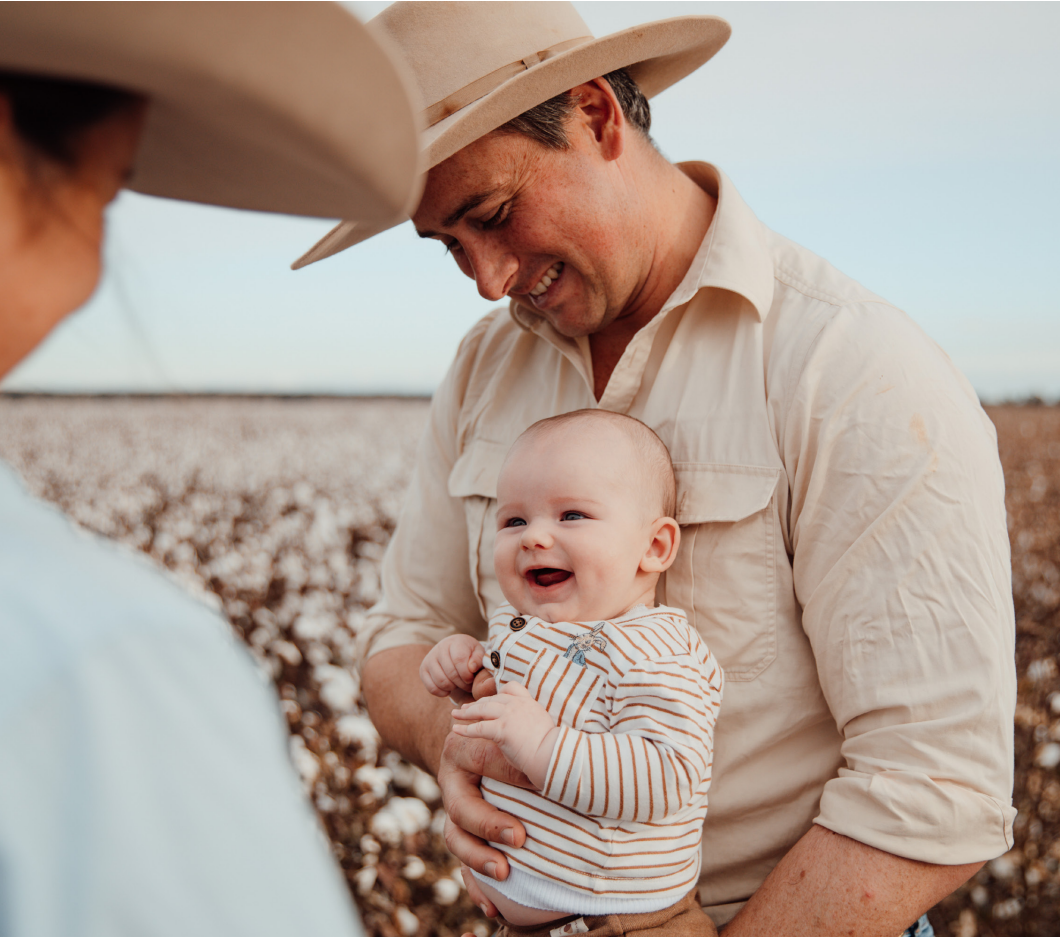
(712, 491)
(476, 471)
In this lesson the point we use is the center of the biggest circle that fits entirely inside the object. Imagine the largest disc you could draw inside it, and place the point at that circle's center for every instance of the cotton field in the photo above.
(278, 511)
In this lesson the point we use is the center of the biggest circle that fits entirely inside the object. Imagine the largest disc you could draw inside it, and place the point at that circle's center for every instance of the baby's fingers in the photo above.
(434, 679)
(466, 667)
(489, 708)
(486, 729)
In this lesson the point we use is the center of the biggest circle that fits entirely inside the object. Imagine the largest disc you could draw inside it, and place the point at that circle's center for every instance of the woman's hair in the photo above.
(49, 114)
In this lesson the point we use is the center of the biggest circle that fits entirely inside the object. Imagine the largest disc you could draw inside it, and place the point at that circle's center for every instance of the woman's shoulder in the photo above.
(66, 594)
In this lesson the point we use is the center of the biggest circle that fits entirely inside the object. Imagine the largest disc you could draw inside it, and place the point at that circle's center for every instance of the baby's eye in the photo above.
(515, 522)
(572, 516)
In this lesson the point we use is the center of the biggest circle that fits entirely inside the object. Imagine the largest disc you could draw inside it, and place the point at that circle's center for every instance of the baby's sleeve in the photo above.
(657, 757)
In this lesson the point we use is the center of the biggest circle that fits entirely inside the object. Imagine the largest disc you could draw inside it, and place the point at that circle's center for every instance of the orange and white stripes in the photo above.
(626, 792)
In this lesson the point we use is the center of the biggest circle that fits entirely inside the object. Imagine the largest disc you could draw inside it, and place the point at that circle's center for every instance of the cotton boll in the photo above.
(438, 823)
(1005, 867)
(1006, 910)
(337, 688)
(415, 868)
(446, 891)
(425, 787)
(376, 780)
(401, 816)
(1048, 756)
(286, 651)
(357, 729)
(304, 760)
(407, 922)
(364, 879)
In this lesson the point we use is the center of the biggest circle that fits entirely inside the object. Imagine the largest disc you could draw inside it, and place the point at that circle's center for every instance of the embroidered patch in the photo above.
(585, 642)
(577, 926)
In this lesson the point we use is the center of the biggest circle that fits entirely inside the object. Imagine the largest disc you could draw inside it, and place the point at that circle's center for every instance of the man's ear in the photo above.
(599, 113)
(662, 549)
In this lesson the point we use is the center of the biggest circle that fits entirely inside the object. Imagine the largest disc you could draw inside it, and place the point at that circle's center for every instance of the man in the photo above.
(844, 552)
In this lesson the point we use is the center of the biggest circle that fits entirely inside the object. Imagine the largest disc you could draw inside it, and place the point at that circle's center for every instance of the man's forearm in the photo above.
(408, 718)
(829, 884)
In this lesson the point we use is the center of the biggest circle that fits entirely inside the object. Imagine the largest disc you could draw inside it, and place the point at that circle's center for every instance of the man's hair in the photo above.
(546, 123)
(654, 456)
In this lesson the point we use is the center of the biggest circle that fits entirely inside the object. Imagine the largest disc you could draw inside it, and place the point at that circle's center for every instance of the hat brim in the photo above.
(280, 107)
(657, 55)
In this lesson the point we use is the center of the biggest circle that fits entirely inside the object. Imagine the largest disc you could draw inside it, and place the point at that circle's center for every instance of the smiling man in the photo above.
(844, 551)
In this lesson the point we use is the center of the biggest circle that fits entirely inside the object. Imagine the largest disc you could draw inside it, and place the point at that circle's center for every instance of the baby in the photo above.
(605, 702)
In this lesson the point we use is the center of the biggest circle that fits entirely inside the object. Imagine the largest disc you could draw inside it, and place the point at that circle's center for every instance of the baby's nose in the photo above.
(536, 535)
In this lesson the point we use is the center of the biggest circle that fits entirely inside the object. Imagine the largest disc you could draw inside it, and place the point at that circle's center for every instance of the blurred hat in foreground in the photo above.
(282, 107)
(478, 65)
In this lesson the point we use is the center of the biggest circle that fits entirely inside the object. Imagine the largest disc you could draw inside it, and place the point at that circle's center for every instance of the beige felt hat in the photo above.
(478, 65)
(284, 107)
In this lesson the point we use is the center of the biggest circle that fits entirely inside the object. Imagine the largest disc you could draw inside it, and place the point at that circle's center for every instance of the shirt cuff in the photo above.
(917, 817)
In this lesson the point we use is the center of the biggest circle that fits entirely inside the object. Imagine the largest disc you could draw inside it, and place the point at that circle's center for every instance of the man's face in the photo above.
(542, 226)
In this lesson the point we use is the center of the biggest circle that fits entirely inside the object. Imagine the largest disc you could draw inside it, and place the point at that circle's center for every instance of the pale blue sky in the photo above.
(916, 146)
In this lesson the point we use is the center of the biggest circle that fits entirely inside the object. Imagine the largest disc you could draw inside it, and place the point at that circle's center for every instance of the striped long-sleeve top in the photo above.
(636, 699)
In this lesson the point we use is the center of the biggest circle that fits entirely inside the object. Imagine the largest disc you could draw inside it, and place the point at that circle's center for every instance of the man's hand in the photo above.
(471, 823)
(417, 725)
(451, 666)
(522, 728)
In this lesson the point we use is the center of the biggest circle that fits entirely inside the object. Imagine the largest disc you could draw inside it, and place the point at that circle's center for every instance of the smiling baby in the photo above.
(605, 702)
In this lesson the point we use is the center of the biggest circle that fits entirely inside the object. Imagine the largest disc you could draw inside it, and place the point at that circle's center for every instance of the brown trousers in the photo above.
(684, 919)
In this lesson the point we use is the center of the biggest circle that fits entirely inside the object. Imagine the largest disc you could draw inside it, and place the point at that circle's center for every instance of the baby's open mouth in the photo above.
(547, 576)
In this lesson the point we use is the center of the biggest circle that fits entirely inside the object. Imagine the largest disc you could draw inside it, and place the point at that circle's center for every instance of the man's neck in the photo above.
(681, 213)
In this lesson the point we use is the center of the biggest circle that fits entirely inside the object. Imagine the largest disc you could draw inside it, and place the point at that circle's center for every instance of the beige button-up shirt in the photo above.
(844, 549)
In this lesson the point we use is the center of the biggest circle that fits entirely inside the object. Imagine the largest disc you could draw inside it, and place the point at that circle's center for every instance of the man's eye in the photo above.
(572, 516)
(498, 217)
(452, 247)
(515, 522)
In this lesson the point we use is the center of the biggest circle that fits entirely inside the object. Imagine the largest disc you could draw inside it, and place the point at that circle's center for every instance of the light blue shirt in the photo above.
(145, 787)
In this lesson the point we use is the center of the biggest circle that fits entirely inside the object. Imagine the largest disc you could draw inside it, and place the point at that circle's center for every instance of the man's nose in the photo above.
(494, 269)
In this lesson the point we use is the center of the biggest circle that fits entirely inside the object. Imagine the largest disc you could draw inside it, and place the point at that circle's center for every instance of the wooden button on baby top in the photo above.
(495, 659)
(517, 624)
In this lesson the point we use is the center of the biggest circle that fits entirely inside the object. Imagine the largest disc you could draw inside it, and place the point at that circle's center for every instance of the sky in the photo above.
(916, 146)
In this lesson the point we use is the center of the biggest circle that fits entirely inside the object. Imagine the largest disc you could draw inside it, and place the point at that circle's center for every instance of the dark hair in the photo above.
(546, 122)
(49, 114)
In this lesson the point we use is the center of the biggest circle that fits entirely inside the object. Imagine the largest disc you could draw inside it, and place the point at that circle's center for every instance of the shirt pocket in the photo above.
(565, 688)
(725, 575)
(473, 479)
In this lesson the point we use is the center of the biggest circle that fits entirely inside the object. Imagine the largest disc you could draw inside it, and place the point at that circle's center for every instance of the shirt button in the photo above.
(495, 659)
(517, 624)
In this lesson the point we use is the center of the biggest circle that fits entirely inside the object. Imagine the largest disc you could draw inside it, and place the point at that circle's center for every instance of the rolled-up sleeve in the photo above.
(901, 563)
(426, 583)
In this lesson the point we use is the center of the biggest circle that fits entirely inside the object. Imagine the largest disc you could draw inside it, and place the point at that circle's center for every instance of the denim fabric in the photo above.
(921, 928)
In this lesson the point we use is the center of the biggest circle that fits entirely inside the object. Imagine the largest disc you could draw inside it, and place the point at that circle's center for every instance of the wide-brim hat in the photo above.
(478, 65)
(282, 107)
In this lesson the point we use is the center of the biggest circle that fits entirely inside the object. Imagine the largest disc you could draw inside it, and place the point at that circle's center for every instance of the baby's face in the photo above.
(574, 520)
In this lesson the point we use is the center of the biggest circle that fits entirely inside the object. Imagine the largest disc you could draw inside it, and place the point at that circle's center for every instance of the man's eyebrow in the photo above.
(467, 205)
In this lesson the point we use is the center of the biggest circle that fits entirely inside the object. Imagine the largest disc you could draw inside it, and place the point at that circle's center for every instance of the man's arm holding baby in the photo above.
(417, 724)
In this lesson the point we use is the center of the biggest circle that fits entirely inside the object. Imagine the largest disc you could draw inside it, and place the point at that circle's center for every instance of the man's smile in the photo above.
(545, 288)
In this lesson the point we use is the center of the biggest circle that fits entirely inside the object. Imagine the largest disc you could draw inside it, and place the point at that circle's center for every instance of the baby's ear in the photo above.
(662, 548)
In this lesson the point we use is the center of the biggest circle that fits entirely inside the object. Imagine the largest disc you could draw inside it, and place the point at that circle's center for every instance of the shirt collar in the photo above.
(734, 256)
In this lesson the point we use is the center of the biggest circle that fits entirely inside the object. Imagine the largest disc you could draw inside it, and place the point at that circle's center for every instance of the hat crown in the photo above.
(450, 45)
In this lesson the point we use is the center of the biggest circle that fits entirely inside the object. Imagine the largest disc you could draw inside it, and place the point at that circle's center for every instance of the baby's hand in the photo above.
(519, 725)
(451, 665)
